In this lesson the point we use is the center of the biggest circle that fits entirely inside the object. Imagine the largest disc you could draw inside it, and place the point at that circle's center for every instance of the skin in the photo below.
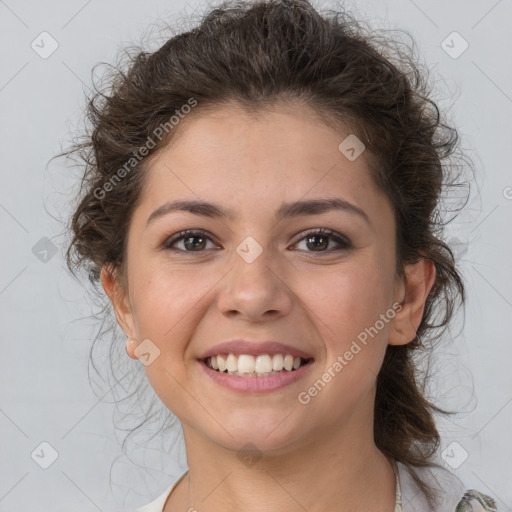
(317, 301)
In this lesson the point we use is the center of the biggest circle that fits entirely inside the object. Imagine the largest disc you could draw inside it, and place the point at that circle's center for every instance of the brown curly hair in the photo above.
(260, 54)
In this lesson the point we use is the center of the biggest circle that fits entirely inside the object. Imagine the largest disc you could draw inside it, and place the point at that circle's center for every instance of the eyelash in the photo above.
(344, 243)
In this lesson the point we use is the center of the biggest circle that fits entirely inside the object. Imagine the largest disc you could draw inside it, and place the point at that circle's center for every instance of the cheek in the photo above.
(348, 300)
(167, 308)
(163, 296)
(346, 307)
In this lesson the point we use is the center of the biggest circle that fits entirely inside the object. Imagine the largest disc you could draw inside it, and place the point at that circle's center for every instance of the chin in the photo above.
(274, 437)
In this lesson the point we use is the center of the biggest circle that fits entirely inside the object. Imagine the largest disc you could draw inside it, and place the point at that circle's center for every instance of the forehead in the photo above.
(257, 161)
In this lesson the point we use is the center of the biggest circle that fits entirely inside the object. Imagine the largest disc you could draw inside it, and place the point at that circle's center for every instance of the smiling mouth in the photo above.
(246, 365)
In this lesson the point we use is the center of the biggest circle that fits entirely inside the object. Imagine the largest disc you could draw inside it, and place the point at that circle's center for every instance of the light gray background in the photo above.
(45, 392)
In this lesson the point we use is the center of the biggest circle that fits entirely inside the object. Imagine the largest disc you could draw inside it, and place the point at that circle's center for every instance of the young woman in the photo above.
(260, 204)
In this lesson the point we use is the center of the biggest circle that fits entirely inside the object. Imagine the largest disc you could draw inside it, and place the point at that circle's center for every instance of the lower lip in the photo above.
(256, 384)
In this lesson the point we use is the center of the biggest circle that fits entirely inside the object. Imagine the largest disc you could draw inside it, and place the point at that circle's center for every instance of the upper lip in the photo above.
(254, 348)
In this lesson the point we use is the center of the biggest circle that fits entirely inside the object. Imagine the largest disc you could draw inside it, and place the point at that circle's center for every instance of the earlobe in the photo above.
(131, 345)
(412, 295)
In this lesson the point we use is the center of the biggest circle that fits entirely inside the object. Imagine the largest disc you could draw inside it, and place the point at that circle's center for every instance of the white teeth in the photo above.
(277, 362)
(263, 364)
(249, 366)
(246, 364)
(231, 363)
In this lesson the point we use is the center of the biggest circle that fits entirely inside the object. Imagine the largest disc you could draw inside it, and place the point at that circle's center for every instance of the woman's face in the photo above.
(262, 274)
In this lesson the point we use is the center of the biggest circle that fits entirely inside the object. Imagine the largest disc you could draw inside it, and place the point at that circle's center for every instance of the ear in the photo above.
(411, 292)
(122, 307)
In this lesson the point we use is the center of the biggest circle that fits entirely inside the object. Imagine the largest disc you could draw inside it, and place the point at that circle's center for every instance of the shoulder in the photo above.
(474, 501)
(157, 505)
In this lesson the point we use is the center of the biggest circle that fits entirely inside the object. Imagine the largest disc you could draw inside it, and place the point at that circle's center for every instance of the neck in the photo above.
(341, 469)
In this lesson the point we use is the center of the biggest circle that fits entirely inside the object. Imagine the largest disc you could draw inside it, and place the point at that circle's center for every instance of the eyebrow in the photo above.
(287, 210)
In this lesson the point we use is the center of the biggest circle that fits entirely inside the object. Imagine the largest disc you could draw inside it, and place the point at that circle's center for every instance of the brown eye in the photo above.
(191, 240)
(315, 242)
(322, 241)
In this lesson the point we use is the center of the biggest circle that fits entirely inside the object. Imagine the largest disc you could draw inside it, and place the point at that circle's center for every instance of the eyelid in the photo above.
(343, 242)
(167, 244)
(323, 231)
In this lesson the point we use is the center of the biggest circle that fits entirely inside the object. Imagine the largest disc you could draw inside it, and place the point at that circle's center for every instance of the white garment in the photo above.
(158, 504)
(448, 488)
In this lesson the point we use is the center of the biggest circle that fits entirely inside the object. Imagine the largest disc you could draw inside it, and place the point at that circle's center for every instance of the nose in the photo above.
(256, 291)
